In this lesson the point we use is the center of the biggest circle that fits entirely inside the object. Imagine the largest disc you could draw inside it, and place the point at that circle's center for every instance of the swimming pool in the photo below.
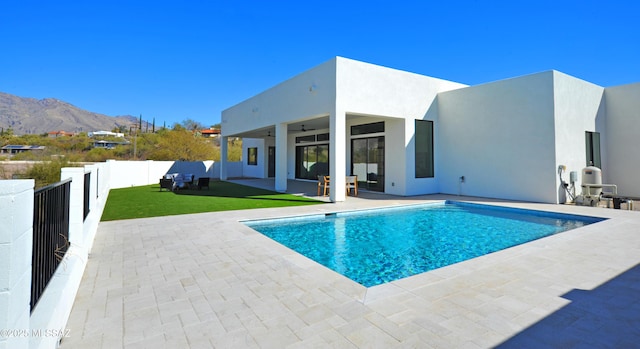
(373, 247)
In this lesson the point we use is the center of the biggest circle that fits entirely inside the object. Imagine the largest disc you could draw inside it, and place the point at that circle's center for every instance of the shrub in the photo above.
(46, 172)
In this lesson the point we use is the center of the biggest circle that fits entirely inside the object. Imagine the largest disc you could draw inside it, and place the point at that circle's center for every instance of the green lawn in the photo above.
(149, 201)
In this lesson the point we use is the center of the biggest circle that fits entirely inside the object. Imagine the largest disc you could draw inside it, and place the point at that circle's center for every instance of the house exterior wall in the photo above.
(623, 127)
(259, 170)
(500, 137)
(368, 89)
(304, 96)
(417, 186)
(578, 108)
(398, 98)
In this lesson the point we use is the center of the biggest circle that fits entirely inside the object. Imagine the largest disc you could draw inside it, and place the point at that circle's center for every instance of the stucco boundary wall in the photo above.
(135, 173)
(44, 327)
(16, 234)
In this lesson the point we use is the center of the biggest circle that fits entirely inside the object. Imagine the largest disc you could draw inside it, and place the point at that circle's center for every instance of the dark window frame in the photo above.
(306, 139)
(252, 156)
(365, 129)
(592, 147)
(424, 159)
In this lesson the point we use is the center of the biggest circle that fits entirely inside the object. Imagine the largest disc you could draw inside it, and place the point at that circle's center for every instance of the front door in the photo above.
(271, 168)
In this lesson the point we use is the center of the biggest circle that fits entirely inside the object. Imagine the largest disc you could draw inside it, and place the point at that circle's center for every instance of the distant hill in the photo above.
(38, 116)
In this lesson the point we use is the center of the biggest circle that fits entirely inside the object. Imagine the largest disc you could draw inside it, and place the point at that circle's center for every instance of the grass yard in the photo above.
(149, 201)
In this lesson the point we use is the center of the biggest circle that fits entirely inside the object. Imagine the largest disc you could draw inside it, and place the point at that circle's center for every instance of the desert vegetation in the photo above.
(181, 142)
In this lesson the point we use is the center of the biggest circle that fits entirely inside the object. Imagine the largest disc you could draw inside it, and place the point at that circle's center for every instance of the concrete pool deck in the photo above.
(206, 280)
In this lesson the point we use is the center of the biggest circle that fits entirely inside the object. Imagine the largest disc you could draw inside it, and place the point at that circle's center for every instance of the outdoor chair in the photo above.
(203, 182)
(352, 183)
(166, 183)
(323, 182)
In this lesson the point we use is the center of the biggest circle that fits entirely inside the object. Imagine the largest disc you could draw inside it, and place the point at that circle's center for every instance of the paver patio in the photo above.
(206, 280)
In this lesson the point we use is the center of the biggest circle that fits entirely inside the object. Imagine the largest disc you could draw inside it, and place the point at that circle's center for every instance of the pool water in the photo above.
(373, 247)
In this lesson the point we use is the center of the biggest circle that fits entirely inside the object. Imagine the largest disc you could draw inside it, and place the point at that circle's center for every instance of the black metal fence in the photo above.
(50, 234)
(87, 189)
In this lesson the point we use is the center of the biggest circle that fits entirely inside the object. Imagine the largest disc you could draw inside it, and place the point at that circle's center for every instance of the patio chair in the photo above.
(323, 182)
(203, 182)
(352, 183)
(166, 183)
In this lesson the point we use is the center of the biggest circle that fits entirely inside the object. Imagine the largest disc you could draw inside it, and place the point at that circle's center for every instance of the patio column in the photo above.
(337, 155)
(281, 157)
(223, 157)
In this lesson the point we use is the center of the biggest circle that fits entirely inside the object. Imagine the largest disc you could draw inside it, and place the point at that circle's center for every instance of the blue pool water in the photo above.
(377, 246)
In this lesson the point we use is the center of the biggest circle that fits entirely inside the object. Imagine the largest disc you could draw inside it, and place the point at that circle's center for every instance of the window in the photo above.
(252, 156)
(424, 149)
(322, 137)
(306, 139)
(592, 142)
(376, 127)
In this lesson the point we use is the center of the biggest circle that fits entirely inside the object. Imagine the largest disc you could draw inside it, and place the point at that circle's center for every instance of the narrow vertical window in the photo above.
(252, 156)
(592, 142)
(424, 149)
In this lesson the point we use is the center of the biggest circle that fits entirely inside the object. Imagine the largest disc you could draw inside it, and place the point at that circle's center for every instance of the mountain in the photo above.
(37, 116)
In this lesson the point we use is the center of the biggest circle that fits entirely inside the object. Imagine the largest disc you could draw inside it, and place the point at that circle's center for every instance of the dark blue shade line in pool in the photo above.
(377, 246)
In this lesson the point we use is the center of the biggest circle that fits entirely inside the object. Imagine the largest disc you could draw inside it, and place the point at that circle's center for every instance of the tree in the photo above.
(47, 172)
(180, 144)
(8, 132)
(119, 129)
(98, 155)
(234, 150)
(192, 125)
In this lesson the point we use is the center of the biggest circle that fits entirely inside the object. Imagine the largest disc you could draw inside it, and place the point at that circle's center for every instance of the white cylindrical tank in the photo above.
(591, 176)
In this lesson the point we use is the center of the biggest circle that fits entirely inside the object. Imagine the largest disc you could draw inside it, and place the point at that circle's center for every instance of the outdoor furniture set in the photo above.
(324, 183)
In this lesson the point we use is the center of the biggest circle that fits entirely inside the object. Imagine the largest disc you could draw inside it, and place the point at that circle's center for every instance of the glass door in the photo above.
(311, 161)
(271, 168)
(367, 162)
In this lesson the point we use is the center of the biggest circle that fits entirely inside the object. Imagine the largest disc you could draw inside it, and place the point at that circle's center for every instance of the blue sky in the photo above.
(178, 60)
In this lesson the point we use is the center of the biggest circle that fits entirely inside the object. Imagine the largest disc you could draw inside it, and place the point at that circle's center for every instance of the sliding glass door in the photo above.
(312, 161)
(367, 162)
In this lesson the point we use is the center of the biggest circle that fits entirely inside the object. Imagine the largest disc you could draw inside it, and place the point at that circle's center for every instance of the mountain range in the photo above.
(37, 116)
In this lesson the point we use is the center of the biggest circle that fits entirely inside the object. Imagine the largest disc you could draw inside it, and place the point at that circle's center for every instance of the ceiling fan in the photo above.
(306, 129)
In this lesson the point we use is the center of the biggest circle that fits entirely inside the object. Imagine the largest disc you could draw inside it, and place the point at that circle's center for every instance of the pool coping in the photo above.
(395, 287)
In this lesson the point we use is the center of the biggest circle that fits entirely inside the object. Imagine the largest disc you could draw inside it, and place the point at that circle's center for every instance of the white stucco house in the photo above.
(407, 134)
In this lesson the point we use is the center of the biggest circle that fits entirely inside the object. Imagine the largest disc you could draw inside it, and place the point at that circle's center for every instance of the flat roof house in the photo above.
(407, 134)
(15, 149)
